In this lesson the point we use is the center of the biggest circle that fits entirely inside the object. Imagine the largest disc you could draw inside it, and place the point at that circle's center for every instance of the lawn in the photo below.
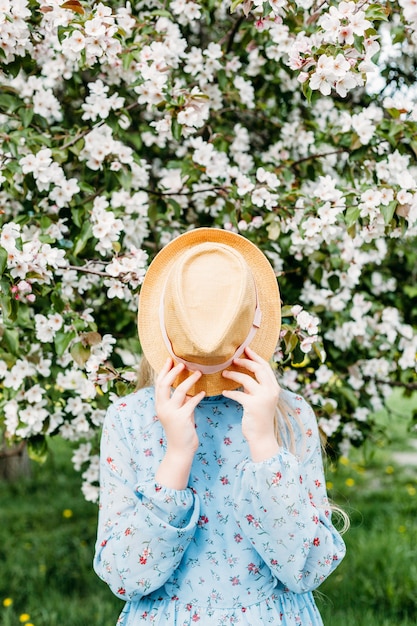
(376, 583)
(47, 534)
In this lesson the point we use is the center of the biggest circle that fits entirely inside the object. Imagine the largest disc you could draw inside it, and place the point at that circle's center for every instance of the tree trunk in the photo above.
(14, 462)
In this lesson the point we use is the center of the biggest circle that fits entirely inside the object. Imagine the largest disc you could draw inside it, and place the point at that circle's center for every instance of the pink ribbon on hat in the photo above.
(210, 369)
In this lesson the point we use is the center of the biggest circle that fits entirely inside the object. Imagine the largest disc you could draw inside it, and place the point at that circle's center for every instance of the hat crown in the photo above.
(209, 303)
(162, 285)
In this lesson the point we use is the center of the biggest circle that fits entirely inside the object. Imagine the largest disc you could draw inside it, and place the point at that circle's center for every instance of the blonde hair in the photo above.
(145, 374)
(284, 432)
(284, 427)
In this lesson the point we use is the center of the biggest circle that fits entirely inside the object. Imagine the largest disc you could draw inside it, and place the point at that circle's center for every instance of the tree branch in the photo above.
(87, 270)
(392, 383)
(319, 156)
(161, 194)
(75, 139)
(233, 33)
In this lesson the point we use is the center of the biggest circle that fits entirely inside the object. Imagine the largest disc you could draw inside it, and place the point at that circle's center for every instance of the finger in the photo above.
(165, 369)
(246, 381)
(262, 371)
(237, 396)
(247, 364)
(184, 387)
(193, 401)
(253, 360)
(166, 378)
(167, 366)
(261, 368)
(172, 374)
(254, 356)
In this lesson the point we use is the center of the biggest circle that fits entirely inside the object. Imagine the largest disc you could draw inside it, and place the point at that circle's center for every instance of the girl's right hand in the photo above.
(175, 410)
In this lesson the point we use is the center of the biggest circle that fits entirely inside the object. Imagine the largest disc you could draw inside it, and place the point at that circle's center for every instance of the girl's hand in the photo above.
(175, 410)
(259, 399)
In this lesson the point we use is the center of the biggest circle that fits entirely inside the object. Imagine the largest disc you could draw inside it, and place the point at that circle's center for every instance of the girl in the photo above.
(213, 506)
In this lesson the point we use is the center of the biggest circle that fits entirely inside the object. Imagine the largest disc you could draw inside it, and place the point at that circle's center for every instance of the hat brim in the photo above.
(150, 335)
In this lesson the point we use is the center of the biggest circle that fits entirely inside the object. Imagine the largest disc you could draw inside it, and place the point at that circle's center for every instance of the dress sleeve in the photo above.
(281, 506)
(143, 527)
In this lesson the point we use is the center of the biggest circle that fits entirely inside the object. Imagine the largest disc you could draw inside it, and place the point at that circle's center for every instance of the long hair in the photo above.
(285, 420)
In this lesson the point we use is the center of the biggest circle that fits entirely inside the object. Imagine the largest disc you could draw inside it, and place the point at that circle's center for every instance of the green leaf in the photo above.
(76, 148)
(78, 214)
(274, 231)
(377, 12)
(62, 341)
(9, 103)
(318, 274)
(3, 260)
(8, 304)
(85, 234)
(11, 339)
(79, 323)
(319, 350)
(235, 4)
(80, 353)
(161, 13)
(38, 449)
(413, 146)
(222, 80)
(34, 275)
(349, 394)
(176, 129)
(125, 178)
(352, 215)
(57, 302)
(410, 291)
(291, 342)
(60, 156)
(127, 58)
(286, 311)
(334, 282)
(176, 206)
(135, 140)
(26, 115)
(298, 357)
(395, 113)
(5, 305)
(307, 91)
(122, 388)
(388, 211)
(45, 222)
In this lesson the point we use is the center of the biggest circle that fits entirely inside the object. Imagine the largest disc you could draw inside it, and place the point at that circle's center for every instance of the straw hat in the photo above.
(207, 295)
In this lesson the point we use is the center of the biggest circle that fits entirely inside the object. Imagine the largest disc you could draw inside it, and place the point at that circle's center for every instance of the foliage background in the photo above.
(123, 124)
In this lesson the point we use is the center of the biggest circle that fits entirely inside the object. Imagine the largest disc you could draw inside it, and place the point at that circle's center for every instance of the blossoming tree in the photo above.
(292, 122)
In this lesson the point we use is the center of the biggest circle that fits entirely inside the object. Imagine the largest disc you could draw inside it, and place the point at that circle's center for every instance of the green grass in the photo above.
(376, 583)
(47, 534)
(379, 574)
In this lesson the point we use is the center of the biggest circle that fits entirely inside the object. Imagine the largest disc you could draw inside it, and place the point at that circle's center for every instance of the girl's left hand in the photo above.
(259, 399)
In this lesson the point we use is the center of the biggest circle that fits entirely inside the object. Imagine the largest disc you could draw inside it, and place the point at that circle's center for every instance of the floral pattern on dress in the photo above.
(246, 543)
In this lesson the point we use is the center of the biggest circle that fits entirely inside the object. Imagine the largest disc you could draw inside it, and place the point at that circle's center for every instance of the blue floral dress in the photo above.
(245, 544)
